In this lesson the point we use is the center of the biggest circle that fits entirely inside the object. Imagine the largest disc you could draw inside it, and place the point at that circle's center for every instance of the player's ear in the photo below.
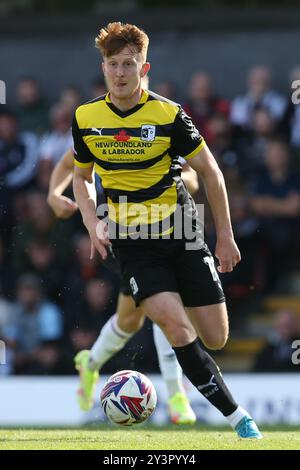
(103, 67)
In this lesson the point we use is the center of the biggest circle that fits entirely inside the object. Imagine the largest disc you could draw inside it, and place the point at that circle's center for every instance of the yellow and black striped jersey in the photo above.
(136, 154)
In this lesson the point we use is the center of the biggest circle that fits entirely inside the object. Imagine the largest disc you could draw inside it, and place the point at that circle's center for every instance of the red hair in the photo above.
(115, 36)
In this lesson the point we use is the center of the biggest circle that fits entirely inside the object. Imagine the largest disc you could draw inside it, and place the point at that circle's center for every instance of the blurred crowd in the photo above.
(54, 299)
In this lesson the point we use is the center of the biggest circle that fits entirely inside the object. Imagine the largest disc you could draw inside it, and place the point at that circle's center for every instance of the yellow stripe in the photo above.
(98, 114)
(143, 152)
(155, 112)
(83, 165)
(148, 212)
(192, 154)
(133, 180)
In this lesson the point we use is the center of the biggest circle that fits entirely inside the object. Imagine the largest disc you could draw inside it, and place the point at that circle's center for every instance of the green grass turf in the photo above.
(146, 438)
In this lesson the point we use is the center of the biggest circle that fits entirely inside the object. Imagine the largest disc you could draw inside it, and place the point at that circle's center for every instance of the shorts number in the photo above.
(211, 264)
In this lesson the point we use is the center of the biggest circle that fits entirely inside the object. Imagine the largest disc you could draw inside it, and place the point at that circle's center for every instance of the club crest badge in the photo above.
(147, 133)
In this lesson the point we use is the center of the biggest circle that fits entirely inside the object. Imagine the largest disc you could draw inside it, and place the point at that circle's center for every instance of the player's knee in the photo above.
(178, 334)
(216, 341)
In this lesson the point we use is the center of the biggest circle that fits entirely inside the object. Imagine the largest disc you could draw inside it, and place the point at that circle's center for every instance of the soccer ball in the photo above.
(128, 397)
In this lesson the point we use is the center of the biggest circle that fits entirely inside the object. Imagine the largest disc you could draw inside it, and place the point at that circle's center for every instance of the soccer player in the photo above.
(128, 319)
(133, 137)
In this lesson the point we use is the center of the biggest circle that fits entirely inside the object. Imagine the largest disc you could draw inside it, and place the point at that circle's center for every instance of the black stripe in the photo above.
(124, 114)
(144, 194)
(129, 165)
(163, 130)
(154, 229)
(150, 97)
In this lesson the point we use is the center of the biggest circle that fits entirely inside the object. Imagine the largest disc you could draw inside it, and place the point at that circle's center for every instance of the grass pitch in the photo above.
(146, 438)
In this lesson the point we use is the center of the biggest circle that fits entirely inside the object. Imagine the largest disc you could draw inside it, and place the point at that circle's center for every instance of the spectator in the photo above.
(6, 271)
(98, 87)
(252, 144)
(166, 88)
(237, 283)
(222, 143)
(276, 356)
(18, 166)
(291, 119)
(259, 95)
(40, 225)
(70, 97)
(203, 103)
(18, 154)
(85, 318)
(82, 270)
(55, 143)
(6, 310)
(5, 315)
(32, 110)
(34, 329)
(276, 202)
(42, 261)
(96, 306)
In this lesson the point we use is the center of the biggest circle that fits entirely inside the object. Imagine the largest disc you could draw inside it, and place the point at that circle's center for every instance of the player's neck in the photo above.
(124, 104)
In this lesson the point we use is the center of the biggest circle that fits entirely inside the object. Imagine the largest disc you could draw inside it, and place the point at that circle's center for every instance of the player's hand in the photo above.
(227, 253)
(98, 231)
(62, 206)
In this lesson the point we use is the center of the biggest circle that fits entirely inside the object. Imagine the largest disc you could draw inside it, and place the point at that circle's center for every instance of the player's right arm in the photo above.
(62, 206)
(85, 193)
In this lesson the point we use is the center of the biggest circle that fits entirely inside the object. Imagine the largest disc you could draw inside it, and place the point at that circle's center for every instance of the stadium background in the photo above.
(48, 64)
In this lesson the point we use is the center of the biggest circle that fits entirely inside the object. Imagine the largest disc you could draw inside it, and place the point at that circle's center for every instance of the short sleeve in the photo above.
(186, 140)
(83, 158)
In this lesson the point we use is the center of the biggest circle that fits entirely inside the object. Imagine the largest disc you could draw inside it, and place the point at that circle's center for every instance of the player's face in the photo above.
(123, 73)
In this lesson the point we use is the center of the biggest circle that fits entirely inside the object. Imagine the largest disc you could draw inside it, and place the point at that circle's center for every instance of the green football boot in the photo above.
(180, 409)
(87, 380)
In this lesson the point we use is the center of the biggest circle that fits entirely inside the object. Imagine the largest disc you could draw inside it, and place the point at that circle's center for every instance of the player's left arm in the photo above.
(207, 168)
(187, 142)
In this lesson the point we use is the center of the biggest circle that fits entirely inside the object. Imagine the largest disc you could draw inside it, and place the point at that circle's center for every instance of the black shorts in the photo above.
(112, 264)
(166, 265)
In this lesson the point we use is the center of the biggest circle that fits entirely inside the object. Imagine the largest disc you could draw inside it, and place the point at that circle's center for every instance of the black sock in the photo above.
(204, 373)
